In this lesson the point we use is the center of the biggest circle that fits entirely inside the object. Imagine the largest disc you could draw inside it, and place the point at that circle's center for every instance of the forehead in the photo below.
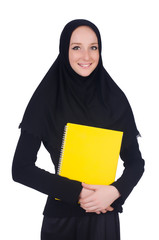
(83, 34)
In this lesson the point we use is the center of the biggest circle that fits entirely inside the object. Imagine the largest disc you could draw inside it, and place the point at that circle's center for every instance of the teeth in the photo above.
(85, 65)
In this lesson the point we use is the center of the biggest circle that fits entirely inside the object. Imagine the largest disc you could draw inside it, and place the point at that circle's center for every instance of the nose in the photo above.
(86, 55)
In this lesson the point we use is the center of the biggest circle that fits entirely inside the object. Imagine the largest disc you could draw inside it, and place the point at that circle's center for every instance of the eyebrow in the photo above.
(81, 43)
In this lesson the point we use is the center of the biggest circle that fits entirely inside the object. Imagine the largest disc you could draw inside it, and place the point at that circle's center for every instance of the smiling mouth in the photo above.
(82, 65)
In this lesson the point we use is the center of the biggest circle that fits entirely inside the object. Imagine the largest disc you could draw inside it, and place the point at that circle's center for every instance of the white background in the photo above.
(29, 42)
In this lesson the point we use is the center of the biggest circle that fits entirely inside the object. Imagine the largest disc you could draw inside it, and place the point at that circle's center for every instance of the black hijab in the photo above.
(64, 96)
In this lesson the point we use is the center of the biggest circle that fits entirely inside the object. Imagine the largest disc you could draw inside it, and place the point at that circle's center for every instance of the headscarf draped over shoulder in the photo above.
(64, 96)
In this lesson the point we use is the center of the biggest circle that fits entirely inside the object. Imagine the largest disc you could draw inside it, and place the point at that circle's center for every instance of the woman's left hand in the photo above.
(101, 199)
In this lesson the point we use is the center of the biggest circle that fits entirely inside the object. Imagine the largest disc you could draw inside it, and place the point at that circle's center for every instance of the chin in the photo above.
(84, 74)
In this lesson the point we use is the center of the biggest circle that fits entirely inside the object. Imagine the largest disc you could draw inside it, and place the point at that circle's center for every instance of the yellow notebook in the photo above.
(90, 154)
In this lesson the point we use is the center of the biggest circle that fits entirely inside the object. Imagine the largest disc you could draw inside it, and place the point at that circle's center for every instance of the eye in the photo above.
(76, 48)
(94, 47)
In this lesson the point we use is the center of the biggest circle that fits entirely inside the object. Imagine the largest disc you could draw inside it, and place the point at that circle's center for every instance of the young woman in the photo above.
(77, 89)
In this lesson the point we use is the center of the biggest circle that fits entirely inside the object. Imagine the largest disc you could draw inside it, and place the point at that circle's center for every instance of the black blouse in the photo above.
(26, 172)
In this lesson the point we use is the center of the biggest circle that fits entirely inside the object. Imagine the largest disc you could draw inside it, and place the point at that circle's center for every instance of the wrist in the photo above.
(115, 192)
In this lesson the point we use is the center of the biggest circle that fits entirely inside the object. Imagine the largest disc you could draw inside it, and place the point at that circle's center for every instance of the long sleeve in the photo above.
(133, 170)
(26, 172)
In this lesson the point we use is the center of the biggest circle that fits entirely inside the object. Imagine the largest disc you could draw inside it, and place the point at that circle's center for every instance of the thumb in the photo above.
(89, 186)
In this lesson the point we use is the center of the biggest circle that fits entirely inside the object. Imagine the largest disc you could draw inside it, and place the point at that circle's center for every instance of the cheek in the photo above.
(96, 58)
(72, 63)
(72, 58)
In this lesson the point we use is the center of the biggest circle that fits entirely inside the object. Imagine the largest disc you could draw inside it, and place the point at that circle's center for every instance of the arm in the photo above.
(26, 172)
(133, 170)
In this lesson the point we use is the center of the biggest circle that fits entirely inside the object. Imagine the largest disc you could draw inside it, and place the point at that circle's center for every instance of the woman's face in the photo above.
(83, 51)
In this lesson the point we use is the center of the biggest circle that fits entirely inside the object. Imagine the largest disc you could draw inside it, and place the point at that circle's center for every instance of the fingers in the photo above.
(89, 186)
(90, 204)
(104, 210)
(92, 208)
(110, 209)
(97, 201)
(88, 199)
(98, 211)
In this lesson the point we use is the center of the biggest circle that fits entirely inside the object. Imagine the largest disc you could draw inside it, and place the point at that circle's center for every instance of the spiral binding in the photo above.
(62, 149)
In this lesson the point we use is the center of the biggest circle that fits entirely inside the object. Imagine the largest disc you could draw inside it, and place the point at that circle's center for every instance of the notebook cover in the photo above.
(90, 154)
